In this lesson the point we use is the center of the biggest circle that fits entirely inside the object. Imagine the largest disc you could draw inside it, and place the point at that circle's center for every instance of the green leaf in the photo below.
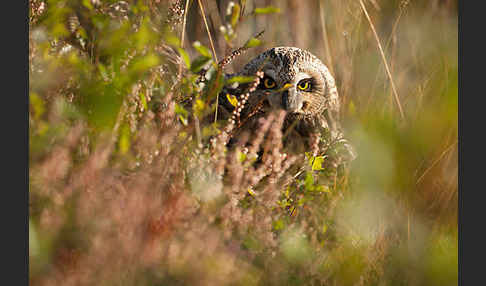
(210, 130)
(232, 99)
(199, 63)
(87, 4)
(103, 71)
(145, 63)
(317, 163)
(309, 181)
(185, 57)
(204, 51)
(59, 30)
(171, 39)
(278, 224)
(240, 79)
(235, 15)
(199, 107)
(241, 156)
(324, 229)
(215, 85)
(144, 36)
(324, 189)
(124, 143)
(266, 10)
(143, 100)
(182, 135)
(179, 110)
(253, 42)
(37, 104)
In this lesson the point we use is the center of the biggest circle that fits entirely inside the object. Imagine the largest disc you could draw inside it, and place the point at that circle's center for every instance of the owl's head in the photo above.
(294, 80)
(299, 83)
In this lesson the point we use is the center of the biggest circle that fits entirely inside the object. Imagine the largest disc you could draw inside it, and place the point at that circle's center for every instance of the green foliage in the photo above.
(37, 104)
(234, 15)
(204, 51)
(200, 63)
(266, 10)
(131, 180)
(240, 79)
(124, 142)
(253, 42)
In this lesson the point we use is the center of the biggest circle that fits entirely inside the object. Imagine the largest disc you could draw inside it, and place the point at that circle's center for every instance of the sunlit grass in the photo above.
(131, 181)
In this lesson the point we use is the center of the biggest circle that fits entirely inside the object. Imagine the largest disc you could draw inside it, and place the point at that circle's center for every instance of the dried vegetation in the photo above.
(130, 184)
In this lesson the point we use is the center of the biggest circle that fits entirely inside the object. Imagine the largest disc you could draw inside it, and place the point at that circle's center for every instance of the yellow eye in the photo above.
(269, 83)
(304, 85)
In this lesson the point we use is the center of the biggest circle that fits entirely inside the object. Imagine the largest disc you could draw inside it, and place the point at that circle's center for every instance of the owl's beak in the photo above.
(291, 100)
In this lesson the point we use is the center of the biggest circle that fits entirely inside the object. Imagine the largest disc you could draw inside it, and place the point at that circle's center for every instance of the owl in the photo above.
(296, 81)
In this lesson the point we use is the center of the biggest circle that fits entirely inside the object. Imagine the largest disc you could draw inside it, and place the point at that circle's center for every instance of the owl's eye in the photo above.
(304, 85)
(269, 83)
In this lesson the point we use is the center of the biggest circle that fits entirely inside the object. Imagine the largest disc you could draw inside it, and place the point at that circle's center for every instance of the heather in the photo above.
(132, 181)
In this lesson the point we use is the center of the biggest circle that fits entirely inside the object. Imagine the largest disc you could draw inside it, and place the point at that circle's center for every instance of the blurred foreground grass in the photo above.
(125, 188)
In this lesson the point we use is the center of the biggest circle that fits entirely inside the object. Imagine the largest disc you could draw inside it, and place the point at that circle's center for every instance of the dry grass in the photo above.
(129, 183)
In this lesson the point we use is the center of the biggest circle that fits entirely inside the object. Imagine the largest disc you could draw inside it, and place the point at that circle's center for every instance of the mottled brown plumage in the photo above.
(299, 83)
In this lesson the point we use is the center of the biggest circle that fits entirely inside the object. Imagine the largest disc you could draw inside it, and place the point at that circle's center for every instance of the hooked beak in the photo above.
(291, 101)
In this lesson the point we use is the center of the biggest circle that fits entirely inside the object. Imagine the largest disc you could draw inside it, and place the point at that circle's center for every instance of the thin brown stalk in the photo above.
(394, 29)
(408, 225)
(436, 161)
(392, 67)
(383, 58)
(325, 38)
(207, 29)
(350, 63)
(212, 48)
(393, 33)
(183, 33)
